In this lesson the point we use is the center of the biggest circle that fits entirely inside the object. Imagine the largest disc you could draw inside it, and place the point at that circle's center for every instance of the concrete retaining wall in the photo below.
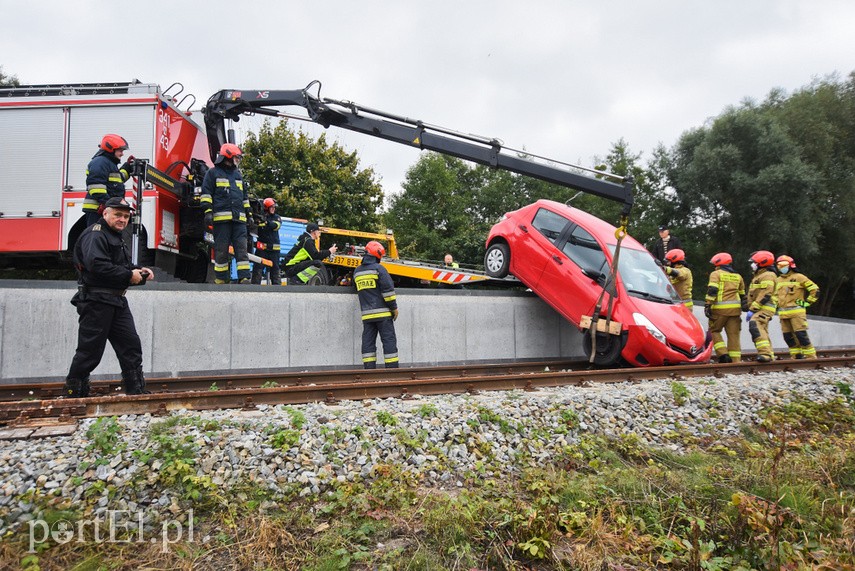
(191, 328)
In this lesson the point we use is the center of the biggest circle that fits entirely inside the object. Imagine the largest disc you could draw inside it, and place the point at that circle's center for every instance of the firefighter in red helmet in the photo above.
(761, 303)
(795, 293)
(680, 275)
(267, 245)
(724, 300)
(227, 211)
(104, 178)
(379, 307)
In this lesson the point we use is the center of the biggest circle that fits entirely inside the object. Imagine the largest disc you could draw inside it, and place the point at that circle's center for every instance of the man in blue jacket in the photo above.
(379, 307)
(105, 272)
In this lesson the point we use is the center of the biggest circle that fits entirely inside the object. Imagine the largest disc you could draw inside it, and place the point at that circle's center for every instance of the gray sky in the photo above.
(564, 79)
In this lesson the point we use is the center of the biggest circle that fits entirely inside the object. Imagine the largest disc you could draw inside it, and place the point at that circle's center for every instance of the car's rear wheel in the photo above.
(608, 348)
(497, 260)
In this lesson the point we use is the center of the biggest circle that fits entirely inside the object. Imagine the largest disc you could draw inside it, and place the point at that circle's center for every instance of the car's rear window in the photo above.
(549, 224)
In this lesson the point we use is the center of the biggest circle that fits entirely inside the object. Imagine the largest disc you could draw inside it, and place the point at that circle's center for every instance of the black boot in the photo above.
(134, 382)
(725, 359)
(76, 388)
(392, 365)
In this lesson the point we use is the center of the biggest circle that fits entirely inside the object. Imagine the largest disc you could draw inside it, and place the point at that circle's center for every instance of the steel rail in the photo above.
(48, 390)
(23, 412)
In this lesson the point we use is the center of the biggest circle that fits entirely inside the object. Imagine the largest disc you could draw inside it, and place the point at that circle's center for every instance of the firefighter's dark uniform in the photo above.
(304, 260)
(104, 180)
(223, 195)
(763, 303)
(378, 303)
(724, 300)
(104, 274)
(267, 246)
(795, 292)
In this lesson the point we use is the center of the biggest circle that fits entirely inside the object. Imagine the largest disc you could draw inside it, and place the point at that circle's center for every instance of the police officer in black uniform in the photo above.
(379, 307)
(104, 274)
(267, 246)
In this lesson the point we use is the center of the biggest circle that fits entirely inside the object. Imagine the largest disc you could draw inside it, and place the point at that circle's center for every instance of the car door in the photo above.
(541, 234)
(569, 280)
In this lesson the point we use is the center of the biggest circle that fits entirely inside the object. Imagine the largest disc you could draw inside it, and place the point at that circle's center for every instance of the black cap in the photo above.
(311, 227)
(119, 204)
(663, 227)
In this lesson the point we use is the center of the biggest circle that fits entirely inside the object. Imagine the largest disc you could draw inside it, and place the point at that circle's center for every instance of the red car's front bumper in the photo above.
(643, 350)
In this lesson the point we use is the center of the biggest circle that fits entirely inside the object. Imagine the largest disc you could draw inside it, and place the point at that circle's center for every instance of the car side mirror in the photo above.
(595, 275)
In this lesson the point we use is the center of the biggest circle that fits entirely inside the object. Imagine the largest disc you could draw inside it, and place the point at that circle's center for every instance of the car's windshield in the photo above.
(643, 278)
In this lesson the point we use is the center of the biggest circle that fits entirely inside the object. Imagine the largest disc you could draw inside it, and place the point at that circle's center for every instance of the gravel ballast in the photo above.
(440, 441)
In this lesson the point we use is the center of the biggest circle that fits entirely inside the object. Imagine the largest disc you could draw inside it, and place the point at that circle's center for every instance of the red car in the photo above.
(564, 255)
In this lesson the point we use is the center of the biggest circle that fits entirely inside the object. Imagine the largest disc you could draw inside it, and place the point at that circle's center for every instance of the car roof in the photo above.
(601, 229)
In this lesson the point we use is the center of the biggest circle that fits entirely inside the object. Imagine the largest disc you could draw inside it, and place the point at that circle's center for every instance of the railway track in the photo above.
(332, 386)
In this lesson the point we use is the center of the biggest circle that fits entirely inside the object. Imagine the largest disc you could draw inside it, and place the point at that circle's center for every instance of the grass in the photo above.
(779, 496)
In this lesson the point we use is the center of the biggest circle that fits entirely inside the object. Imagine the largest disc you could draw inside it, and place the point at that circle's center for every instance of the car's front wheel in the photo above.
(497, 260)
(608, 349)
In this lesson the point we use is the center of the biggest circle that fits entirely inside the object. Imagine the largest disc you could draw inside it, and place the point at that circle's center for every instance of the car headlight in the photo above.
(641, 320)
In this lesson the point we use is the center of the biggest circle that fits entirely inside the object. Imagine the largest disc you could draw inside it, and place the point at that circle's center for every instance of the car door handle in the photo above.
(524, 228)
(557, 259)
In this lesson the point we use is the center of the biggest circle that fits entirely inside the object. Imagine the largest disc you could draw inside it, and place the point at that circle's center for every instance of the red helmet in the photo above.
(268, 202)
(230, 151)
(784, 261)
(375, 248)
(675, 256)
(763, 258)
(721, 259)
(112, 143)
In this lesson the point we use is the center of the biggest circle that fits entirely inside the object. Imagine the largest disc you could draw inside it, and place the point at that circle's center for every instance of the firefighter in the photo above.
(680, 275)
(304, 258)
(104, 274)
(227, 211)
(761, 303)
(104, 178)
(379, 307)
(795, 293)
(267, 246)
(724, 301)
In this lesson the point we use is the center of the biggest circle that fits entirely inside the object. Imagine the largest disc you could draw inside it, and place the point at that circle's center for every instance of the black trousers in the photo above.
(258, 269)
(101, 322)
(386, 329)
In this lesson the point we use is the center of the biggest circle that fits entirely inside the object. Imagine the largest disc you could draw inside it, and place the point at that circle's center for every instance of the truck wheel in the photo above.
(497, 260)
(319, 279)
(608, 348)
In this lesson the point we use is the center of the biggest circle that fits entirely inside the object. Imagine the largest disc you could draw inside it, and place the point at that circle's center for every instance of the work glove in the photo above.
(802, 303)
(101, 208)
(209, 220)
(128, 167)
(708, 310)
(394, 314)
(748, 316)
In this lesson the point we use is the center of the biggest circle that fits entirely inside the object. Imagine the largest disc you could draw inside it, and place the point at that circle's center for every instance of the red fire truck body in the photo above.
(51, 132)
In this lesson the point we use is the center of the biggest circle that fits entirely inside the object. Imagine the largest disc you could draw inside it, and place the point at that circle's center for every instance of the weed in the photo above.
(680, 393)
(427, 410)
(385, 418)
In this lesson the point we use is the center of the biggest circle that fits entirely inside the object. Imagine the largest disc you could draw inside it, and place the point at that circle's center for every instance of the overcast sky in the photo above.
(564, 79)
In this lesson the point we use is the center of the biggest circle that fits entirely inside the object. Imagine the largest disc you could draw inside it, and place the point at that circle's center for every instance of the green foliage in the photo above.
(427, 410)
(104, 436)
(285, 439)
(680, 392)
(386, 418)
(311, 179)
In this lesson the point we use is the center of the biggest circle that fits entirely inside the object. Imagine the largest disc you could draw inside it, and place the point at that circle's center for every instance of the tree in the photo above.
(311, 179)
(8, 80)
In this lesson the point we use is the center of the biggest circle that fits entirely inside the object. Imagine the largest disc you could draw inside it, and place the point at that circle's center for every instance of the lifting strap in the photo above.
(611, 280)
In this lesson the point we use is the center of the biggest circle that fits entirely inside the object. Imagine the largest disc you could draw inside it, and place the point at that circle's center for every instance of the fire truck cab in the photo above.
(51, 132)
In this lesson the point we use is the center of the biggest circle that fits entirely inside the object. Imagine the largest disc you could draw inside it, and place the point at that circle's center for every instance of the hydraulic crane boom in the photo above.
(230, 104)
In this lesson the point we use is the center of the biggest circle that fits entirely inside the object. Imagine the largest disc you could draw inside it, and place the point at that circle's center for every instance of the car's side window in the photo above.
(583, 249)
(549, 224)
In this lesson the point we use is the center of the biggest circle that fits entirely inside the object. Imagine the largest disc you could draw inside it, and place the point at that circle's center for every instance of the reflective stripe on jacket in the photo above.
(792, 288)
(223, 194)
(725, 291)
(375, 289)
(761, 291)
(104, 180)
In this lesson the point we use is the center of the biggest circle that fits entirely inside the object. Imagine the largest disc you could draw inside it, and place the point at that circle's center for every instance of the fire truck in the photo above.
(51, 132)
